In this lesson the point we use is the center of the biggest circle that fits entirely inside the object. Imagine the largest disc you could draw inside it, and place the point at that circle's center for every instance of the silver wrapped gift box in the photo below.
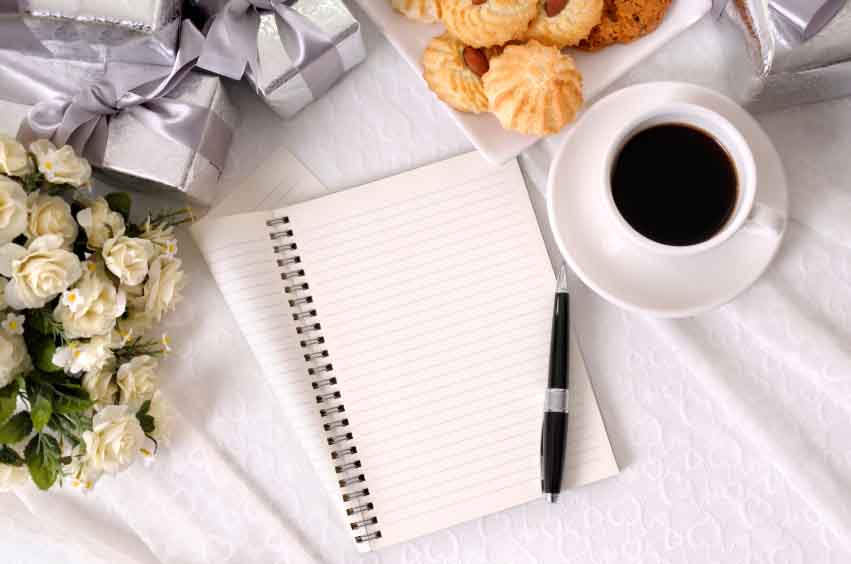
(799, 54)
(134, 31)
(137, 157)
(285, 86)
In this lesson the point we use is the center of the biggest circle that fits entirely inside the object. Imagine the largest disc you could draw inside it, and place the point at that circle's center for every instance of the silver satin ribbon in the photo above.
(231, 44)
(14, 32)
(68, 114)
(807, 16)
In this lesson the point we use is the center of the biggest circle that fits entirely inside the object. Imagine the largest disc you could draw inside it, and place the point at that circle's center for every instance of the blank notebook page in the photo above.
(435, 297)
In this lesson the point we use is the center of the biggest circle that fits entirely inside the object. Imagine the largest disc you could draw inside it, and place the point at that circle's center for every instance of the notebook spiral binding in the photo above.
(347, 466)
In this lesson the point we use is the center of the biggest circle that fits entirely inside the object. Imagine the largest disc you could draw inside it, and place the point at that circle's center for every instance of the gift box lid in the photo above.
(147, 16)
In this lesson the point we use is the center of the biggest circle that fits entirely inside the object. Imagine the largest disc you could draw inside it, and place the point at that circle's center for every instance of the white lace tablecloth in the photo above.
(733, 429)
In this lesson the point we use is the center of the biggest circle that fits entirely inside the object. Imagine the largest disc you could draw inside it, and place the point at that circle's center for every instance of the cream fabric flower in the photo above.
(77, 357)
(100, 223)
(13, 209)
(100, 384)
(162, 290)
(61, 166)
(13, 324)
(91, 307)
(14, 160)
(127, 258)
(51, 215)
(14, 358)
(137, 380)
(39, 272)
(115, 439)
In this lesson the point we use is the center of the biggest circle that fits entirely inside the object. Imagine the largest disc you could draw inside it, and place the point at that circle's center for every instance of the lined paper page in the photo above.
(240, 256)
(435, 293)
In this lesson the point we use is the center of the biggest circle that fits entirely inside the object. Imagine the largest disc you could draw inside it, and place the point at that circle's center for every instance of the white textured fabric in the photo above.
(732, 429)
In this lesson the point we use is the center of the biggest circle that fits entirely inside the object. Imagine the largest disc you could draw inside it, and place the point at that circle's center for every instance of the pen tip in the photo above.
(561, 285)
(551, 497)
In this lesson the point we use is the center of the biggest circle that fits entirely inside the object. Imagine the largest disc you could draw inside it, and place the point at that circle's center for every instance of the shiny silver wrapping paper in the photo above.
(786, 69)
(137, 158)
(116, 34)
(278, 82)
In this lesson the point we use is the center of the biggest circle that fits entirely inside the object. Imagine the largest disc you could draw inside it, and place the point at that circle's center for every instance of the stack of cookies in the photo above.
(505, 56)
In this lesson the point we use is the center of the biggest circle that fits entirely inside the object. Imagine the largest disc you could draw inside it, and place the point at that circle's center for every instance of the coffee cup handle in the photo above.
(765, 219)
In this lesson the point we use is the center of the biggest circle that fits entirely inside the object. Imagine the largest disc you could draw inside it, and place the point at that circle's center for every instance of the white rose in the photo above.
(137, 380)
(100, 385)
(162, 290)
(39, 272)
(61, 166)
(100, 223)
(135, 323)
(127, 258)
(14, 160)
(51, 215)
(13, 209)
(14, 358)
(115, 439)
(77, 357)
(12, 476)
(91, 307)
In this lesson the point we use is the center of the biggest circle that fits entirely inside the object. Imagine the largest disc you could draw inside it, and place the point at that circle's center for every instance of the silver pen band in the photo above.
(556, 400)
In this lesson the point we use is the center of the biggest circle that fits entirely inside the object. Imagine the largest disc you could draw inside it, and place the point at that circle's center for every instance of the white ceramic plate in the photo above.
(625, 273)
(599, 70)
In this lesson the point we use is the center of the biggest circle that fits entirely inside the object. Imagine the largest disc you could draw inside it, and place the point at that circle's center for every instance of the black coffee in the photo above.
(675, 184)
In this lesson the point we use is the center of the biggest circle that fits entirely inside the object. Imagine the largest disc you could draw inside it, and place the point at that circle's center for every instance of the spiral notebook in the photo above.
(404, 326)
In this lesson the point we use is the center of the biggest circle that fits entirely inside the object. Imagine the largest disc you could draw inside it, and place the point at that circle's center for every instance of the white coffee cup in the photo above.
(747, 212)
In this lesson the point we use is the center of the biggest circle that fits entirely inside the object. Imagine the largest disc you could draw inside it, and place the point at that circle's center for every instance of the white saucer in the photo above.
(619, 270)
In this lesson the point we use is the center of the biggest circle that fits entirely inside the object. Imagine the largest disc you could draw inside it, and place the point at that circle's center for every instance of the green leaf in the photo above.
(67, 403)
(16, 429)
(144, 408)
(42, 409)
(41, 320)
(37, 380)
(10, 457)
(147, 422)
(120, 202)
(8, 401)
(42, 351)
(42, 456)
(71, 425)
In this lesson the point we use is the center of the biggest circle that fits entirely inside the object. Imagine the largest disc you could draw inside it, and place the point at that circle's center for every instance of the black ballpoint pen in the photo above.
(554, 428)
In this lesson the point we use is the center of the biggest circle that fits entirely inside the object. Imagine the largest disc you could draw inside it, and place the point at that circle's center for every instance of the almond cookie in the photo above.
(624, 21)
(426, 11)
(484, 23)
(454, 72)
(533, 88)
(564, 23)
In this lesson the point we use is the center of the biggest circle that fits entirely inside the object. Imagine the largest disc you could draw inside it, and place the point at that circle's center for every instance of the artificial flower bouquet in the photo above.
(81, 286)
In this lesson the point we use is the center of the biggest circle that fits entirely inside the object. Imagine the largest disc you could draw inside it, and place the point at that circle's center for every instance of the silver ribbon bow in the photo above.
(232, 43)
(68, 114)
